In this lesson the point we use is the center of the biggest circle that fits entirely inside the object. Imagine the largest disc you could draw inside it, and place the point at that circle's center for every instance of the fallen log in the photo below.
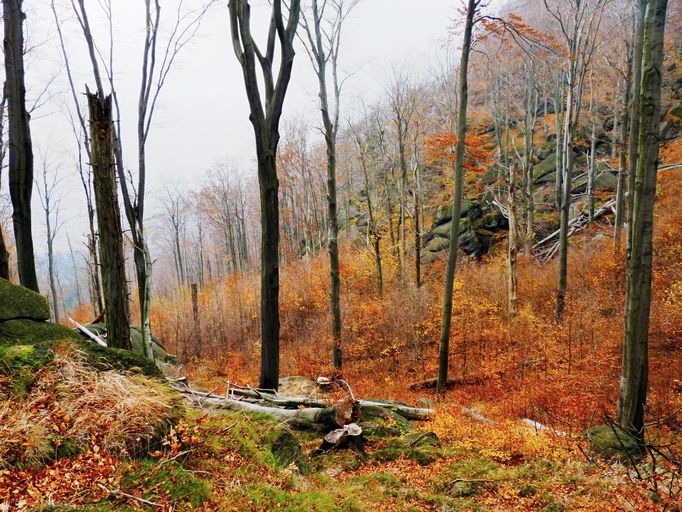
(257, 396)
(451, 383)
(311, 418)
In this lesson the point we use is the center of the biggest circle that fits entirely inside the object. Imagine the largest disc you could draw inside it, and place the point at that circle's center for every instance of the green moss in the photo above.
(104, 358)
(422, 447)
(287, 451)
(170, 481)
(19, 302)
(266, 497)
(610, 442)
(257, 438)
(13, 332)
(65, 447)
(379, 422)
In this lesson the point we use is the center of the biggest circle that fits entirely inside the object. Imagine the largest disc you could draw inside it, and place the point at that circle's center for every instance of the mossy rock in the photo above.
(379, 422)
(30, 332)
(287, 451)
(491, 221)
(469, 208)
(422, 447)
(17, 302)
(137, 343)
(545, 167)
(30, 345)
(612, 443)
(104, 358)
(437, 244)
(677, 110)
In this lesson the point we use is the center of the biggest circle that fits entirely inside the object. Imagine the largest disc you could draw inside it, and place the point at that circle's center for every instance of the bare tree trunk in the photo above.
(512, 245)
(457, 202)
(558, 123)
(416, 226)
(195, 317)
(4, 253)
(635, 114)
(634, 378)
(529, 122)
(622, 162)
(109, 222)
(4, 257)
(79, 296)
(265, 117)
(20, 145)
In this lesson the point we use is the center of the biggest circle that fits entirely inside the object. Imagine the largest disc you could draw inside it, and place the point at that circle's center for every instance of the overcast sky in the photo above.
(202, 113)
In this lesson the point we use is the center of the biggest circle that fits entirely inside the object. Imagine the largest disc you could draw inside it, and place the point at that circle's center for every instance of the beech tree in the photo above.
(443, 359)
(265, 118)
(580, 26)
(50, 200)
(323, 44)
(20, 145)
(634, 377)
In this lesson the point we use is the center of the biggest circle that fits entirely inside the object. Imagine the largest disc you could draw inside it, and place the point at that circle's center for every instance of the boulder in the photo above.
(160, 353)
(612, 443)
(438, 244)
(471, 209)
(604, 181)
(545, 168)
(17, 302)
(31, 331)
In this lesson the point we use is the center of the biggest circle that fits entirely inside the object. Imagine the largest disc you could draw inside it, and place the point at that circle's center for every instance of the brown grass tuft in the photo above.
(75, 407)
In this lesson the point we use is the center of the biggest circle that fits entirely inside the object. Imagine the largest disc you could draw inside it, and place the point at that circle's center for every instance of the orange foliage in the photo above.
(479, 151)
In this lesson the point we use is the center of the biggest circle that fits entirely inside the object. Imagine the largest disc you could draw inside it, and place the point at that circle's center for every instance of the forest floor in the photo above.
(80, 435)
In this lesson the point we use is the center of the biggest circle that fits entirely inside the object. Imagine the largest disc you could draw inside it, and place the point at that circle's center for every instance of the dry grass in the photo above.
(75, 407)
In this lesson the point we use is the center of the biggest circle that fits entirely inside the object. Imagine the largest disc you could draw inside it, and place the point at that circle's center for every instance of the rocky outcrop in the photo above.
(478, 223)
(17, 302)
(23, 320)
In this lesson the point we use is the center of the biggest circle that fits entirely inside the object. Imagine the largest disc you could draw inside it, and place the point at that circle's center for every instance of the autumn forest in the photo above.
(444, 283)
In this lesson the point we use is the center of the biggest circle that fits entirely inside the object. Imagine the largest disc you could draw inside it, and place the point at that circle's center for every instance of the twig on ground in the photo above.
(117, 492)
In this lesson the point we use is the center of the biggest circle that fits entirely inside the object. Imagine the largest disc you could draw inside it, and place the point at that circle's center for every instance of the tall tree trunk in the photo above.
(638, 51)
(529, 122)
(417, 228)
(265, 114)
(558, 123)
(634, 378)
(79, 296)
(20, 145)
(512, 245)
(443, 358)
(109, 222)
(269, 210)
(4, 257)
(623, 156)
(4, 253)
(50, 259)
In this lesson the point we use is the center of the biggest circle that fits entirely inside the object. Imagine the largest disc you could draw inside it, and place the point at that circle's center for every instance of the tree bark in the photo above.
(109, 222)
(20, 145)
(635, 114)
(634, 377)
(443, 357)
(4, 253)
(265, 117)
(623, 156)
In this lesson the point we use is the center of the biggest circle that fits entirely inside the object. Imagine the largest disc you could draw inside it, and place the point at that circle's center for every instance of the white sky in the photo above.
(202, 114)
